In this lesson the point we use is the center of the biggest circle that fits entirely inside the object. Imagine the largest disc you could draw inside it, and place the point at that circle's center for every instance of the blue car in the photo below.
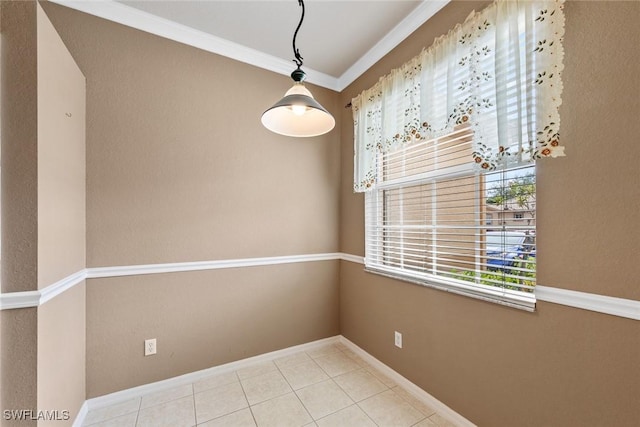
(506, 248)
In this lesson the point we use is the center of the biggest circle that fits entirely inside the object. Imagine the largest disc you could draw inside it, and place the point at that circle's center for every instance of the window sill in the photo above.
(505, 297)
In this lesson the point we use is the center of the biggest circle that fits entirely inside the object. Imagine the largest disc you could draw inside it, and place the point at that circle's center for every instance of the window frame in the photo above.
(375, 264)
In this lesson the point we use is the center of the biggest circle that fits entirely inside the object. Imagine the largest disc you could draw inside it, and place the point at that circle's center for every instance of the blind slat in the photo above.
(450, 225)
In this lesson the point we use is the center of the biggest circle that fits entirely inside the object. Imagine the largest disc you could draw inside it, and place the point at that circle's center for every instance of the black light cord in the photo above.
(296, 52)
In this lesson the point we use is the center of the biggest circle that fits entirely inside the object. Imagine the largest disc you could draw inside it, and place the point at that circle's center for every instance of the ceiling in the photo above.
(338, 40)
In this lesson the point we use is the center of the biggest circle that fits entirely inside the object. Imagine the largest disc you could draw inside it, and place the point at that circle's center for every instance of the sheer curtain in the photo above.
(498, 72)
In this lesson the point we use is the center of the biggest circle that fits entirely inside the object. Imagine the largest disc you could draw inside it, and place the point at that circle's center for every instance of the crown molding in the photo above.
(147, 22)
(143, 21)
(408, 25)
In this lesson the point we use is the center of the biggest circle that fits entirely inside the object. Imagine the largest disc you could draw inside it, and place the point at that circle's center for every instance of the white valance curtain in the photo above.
(498, 72)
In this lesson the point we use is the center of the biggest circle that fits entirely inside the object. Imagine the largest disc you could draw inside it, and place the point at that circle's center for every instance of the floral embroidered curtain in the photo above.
(498, 72)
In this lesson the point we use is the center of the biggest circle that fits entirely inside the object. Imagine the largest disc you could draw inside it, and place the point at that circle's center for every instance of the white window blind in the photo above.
(426, 221)
(445, 148)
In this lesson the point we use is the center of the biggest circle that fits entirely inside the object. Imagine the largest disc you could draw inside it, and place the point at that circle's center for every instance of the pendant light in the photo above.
(298, 114)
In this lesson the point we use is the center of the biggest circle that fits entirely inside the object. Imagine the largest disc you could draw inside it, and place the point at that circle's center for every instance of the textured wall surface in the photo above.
(203, 319)
(19, 147)
(61, 223)
(61, 354)
(559, 366)
(43, 217)
(180, 169)
(590, 199)
(61, 158)
(18, 62)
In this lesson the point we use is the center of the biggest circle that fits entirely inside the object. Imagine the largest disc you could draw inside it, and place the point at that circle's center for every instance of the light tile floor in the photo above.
(329, 386)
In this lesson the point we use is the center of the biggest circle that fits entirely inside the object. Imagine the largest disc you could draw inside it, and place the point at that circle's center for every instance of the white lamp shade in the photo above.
(298, 114)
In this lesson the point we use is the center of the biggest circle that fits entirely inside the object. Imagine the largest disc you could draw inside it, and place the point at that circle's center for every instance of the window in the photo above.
(445, 148)
(427, 221)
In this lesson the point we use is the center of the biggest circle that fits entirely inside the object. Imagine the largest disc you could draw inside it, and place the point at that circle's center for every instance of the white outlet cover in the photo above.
(398, 339)
(150, 347)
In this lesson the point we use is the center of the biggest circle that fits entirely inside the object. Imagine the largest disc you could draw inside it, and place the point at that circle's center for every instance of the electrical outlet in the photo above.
(150, 347)
(398, 339)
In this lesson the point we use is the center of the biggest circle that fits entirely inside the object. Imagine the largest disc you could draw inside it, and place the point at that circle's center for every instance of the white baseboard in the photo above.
(124, 395)
(82, 414)
(413, 389)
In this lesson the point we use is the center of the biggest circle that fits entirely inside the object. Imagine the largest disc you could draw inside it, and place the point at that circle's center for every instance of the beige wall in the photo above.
(18, 378)
(175, 172)
(179, 165)
(61, 158)
(43, 218)
(61, 223)
(203, 319)
(61, 354)
(179, 169)
(494, 365)
(581, 246)
(19, 147)
(503, 367)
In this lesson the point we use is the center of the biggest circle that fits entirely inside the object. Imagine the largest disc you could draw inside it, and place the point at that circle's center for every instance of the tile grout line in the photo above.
(226, 415)
(294, 390)
(425, 416)
(193, 401)
(365, 412)
(330, 379)
(138, 411)
(341, 351)
(344, 352)
(313, 360)
(357, 404)
(253, 416)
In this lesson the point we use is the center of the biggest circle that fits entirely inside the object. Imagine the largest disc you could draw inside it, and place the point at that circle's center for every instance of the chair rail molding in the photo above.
(614, 306)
